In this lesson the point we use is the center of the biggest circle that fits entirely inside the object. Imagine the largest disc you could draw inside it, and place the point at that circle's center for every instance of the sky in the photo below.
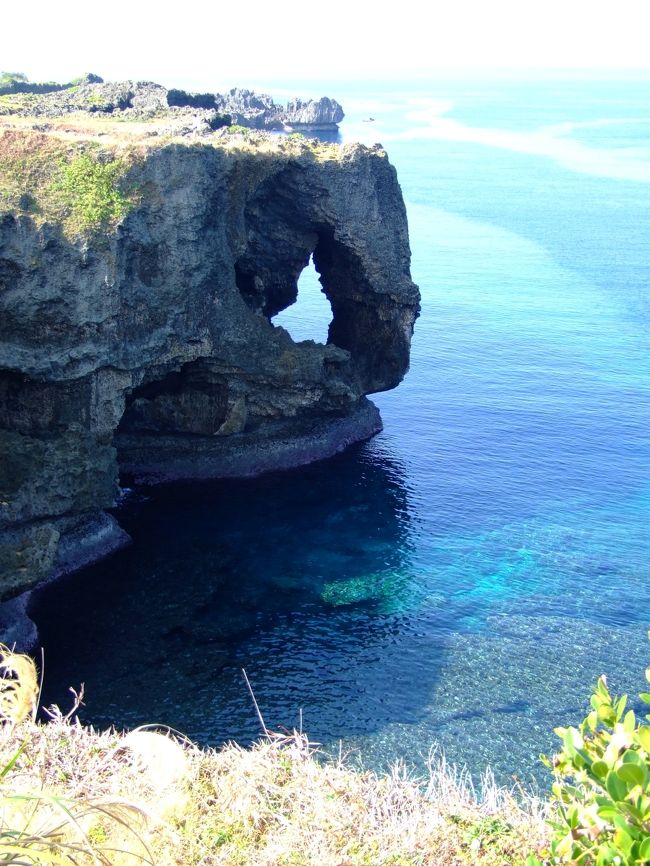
(216, 45)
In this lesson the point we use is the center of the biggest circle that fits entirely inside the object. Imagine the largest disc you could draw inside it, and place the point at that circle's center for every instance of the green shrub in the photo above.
(90, 190)
(182, 98)
(85, 189)
(8, 78)
(602, 786)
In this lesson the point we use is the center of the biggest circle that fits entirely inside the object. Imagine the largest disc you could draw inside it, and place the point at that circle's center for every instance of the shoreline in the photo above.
(287, 445)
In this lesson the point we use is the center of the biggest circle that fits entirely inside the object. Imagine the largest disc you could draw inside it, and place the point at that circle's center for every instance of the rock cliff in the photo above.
(138, 337)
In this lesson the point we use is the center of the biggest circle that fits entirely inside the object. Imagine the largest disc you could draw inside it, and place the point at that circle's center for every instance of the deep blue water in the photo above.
(464, 577)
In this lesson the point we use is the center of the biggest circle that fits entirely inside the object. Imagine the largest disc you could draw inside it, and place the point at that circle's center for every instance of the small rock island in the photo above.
(144, 249)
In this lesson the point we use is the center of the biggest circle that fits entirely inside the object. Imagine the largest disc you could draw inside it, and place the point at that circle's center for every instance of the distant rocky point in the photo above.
(144, 100)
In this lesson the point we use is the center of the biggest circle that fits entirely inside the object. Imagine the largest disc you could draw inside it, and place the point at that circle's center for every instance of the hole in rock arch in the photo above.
(310, 316)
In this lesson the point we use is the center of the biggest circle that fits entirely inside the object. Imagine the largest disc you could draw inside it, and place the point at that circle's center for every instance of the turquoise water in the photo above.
(464, 577)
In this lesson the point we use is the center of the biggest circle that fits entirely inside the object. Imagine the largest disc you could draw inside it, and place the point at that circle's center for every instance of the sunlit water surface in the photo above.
(464, 577)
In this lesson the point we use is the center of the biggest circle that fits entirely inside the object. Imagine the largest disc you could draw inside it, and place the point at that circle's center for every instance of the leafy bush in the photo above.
(602, 787)
(8, 78)
(192, 100)
(17, 82)
(91, 191)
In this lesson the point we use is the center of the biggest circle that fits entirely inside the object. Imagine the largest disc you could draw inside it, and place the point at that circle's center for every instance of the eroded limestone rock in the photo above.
(150, 346)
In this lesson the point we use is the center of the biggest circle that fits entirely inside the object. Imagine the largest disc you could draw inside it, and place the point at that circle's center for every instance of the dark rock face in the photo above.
(151, 348)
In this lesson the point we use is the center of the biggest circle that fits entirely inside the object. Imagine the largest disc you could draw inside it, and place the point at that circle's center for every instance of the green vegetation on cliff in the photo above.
(602, 787)
(81, 186)
(18, 82)
(90, 190)
(77, 175)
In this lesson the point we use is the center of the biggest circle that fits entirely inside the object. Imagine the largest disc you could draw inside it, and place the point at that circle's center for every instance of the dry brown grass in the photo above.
(102, 128)
(106, 129)
(275, 804)
(83, 796)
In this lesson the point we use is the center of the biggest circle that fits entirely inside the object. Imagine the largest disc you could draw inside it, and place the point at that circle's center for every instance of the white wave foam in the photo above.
(628, 163)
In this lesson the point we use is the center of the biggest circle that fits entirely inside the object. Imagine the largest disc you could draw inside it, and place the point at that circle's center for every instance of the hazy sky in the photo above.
(216, 44)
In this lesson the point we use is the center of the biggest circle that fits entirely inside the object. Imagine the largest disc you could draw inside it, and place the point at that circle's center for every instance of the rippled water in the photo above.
(464, 577)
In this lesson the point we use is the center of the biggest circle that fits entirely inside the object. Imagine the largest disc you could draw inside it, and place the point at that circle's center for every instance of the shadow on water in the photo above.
(301, 577)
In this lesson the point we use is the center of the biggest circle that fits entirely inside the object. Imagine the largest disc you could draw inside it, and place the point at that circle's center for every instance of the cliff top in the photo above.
(44, 165)
(58, 139)
(114, 132)
(158, 131)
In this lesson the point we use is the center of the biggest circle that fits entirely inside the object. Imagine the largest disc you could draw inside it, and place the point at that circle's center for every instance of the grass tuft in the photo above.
(277, 803)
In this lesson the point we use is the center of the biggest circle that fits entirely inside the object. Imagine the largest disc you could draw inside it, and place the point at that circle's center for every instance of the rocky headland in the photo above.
(141, 264)
(199, 113)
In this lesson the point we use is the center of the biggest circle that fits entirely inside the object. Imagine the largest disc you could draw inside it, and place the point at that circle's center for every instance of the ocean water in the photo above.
(461, 580)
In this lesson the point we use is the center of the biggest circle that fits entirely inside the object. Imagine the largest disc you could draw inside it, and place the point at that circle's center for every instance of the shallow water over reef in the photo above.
(464, 577)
